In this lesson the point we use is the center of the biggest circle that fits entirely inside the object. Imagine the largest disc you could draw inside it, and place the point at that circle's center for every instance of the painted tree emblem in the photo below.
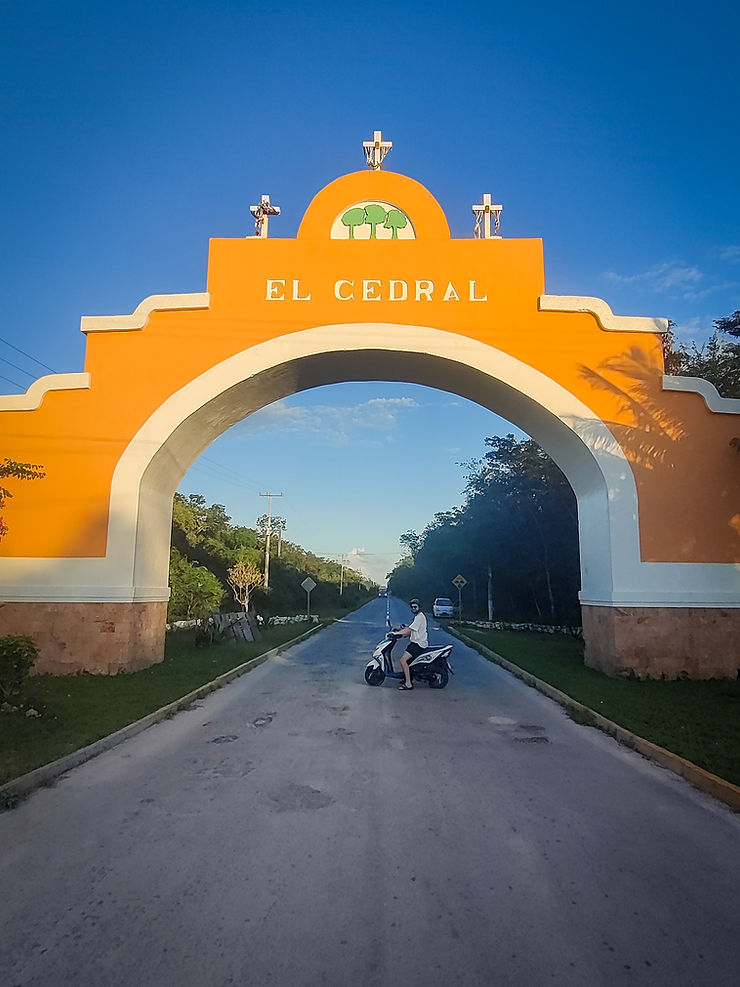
(353, 217)
(395, 220)
(374, 215)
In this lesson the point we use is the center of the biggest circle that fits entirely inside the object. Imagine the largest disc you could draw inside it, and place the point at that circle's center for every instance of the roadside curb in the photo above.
(705, 781)
(48, 773)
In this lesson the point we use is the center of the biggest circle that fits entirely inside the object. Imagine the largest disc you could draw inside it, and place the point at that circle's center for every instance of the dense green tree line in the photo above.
(515, 540)
(205, 544)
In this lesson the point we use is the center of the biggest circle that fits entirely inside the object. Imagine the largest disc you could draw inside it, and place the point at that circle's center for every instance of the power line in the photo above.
(360, 556)
(199, 467)
(16, 367)
(23, 353)
(22, 386)
(239, 476)
(227, 475)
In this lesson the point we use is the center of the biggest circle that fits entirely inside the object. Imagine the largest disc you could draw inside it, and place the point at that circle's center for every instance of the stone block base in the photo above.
(104, 638)
(663, 642)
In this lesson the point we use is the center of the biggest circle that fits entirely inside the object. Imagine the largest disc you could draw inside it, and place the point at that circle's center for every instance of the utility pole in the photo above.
(341, 576)
(267, 536)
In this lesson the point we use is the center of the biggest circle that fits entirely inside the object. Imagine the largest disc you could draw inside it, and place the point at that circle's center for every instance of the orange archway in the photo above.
(355, 298)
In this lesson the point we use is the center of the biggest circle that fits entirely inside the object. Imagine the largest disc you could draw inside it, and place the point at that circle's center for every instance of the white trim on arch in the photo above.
(697, 385)
(603, 313)
(37, 391)
(138, 318)
(135, 567)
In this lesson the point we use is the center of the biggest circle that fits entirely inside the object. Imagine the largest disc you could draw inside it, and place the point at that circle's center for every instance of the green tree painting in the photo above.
(353, 217)
(395, 220)
(374, 215)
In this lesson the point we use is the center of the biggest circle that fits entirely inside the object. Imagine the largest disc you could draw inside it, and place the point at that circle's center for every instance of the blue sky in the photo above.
(134, 132)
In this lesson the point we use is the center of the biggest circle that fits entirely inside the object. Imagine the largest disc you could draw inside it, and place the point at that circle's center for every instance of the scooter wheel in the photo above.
(374, 676)
(439, 679)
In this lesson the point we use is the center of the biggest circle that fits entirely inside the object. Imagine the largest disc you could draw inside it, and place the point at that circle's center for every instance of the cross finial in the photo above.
(376, 150)
(483, 212)
(262, 213)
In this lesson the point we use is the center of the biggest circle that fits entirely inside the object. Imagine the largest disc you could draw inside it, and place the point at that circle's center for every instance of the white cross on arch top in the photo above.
(376, 150)
(262, 213)
(483, 212)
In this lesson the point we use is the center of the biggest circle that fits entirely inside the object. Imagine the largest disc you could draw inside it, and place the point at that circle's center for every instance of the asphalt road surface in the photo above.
(299, 828)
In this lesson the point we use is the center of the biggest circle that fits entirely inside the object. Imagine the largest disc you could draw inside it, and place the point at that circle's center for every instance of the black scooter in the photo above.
(431, 666)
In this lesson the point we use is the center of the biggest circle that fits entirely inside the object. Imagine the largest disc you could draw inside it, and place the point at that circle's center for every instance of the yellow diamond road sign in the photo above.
(460, 581)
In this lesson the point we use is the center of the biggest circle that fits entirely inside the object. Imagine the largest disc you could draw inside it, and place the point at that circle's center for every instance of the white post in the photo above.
(342, 562)
(308, 584)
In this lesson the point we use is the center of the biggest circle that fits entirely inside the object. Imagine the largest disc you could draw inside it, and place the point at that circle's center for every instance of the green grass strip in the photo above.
(698, 720)
(77, 710)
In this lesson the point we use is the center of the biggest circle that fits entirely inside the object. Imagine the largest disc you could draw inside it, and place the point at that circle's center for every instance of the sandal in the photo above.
(405, 688)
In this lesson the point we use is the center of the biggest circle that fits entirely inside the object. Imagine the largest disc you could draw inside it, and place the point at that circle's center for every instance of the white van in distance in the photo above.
(443, 607)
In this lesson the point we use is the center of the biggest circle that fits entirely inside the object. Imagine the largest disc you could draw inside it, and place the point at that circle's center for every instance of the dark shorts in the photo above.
(414, 649)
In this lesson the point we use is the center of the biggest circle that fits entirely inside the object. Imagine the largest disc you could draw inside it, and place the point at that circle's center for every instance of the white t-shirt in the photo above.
(418, 628)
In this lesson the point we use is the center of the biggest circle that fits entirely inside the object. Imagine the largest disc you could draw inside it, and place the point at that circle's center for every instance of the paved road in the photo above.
(301, 829)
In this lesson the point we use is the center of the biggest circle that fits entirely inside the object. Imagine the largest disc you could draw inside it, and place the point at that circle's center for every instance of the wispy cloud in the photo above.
(355, 559)
(371, 420)
(731, 252)
(698, 330)
(684, 280)
(662, 277)
(375, 564)
(710, 290)
(692, 328)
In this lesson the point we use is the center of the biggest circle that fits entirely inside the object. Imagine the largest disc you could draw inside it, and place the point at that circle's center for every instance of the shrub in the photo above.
(196, 592)
(17, 655)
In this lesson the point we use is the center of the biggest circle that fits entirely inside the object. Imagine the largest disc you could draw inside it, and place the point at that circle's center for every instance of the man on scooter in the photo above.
(417, 631)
